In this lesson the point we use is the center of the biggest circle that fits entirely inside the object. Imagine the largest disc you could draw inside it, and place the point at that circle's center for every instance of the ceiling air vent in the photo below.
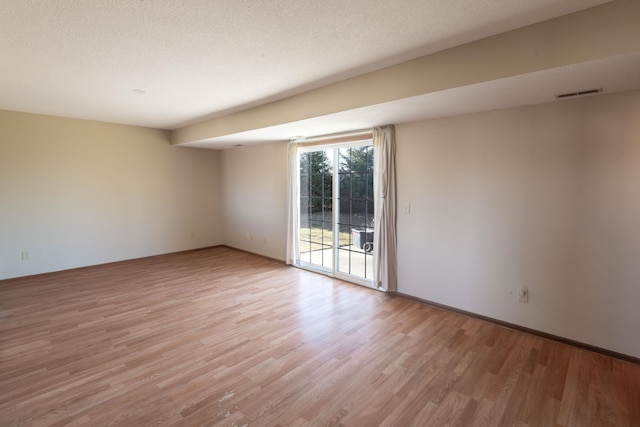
(581, 93)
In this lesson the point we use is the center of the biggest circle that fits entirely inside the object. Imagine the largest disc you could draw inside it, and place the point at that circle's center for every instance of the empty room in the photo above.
(270, 213)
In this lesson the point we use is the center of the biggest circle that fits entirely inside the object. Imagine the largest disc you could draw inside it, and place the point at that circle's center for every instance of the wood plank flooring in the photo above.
(219, 337)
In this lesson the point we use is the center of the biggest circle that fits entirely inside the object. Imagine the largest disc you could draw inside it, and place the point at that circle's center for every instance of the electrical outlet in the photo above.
(25, 255)
(406, 208)
(523, 294)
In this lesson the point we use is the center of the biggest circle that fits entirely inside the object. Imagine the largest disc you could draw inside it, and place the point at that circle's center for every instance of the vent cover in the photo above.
(581, 93)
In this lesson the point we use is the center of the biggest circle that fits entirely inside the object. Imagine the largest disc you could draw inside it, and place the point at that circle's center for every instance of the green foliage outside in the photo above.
(355, 177)
(315, 179)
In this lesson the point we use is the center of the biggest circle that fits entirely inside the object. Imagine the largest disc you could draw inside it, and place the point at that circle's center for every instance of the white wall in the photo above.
(254, 198)
(545, 196)
(76, 193)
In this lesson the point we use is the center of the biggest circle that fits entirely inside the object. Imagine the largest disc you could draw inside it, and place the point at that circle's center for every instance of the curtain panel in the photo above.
(293, 220)
(385, 263)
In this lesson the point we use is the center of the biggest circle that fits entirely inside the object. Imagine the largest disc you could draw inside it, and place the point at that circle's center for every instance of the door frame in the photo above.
(333, 272)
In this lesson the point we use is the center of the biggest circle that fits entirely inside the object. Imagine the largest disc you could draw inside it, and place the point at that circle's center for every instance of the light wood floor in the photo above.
(221, 337)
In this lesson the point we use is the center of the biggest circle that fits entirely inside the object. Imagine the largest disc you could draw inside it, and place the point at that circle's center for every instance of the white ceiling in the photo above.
(199, 59)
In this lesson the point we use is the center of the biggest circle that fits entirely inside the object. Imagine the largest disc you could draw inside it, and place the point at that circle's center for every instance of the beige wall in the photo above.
(543, 196)
(546, 197)
(76, 193)
(254, 198)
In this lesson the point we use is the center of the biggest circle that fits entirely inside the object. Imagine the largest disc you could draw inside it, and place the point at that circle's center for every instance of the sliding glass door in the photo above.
(316, 209)
(336, 210)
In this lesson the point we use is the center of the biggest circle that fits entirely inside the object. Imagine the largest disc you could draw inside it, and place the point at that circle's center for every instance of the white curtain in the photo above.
(385, 262)
(293, 221)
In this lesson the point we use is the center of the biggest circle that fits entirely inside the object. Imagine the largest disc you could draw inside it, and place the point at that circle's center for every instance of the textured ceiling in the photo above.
(198, 59)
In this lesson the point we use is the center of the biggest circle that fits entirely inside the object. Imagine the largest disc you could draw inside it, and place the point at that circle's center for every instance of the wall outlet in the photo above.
(523, 294)
(26, 256)
(406, 208)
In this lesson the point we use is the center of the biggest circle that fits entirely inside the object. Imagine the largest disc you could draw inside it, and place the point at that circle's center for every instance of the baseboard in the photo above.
(107, 264)
(588, 347)
(253, 253)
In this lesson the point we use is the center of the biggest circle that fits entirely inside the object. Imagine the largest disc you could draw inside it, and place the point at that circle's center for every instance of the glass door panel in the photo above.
(355, 217)
(316, 209)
